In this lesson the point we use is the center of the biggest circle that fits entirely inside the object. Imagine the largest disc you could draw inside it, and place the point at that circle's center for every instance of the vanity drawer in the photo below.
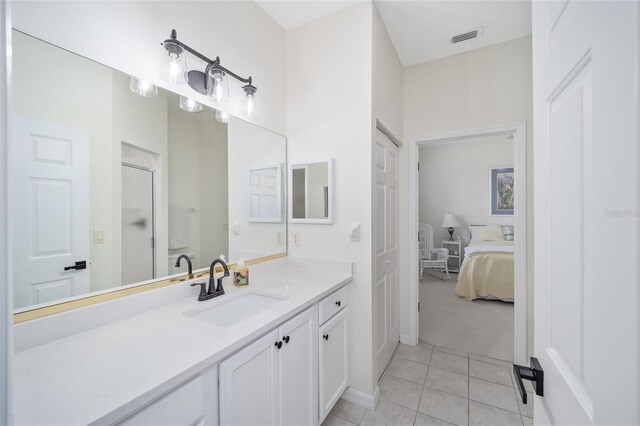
(332, 304)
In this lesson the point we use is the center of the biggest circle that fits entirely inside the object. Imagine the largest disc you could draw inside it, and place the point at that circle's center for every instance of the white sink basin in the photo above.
(231, 312)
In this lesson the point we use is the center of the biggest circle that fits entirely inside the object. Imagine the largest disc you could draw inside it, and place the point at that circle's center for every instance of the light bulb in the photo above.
(190, 105)
(174, 64)
(217, 85)
(223, 117)
(250, 108)
(142, 88)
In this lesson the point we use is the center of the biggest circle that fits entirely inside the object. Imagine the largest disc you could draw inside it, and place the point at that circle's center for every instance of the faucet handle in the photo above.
(203, 289)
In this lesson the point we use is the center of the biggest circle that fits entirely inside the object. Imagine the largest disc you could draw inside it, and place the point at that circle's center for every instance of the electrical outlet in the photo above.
(295, 239)
(279, 238)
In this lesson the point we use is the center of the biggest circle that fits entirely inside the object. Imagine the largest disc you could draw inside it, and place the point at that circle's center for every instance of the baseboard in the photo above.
(407, 340)
(362, 399)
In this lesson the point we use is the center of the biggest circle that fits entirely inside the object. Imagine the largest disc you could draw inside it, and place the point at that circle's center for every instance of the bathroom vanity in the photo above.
(273, 353)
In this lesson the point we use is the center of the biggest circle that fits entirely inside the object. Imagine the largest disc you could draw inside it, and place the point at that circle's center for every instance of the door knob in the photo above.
(325, 337)
(338, 303)
(78, 266)
(286, 339)
(279, 344)
(535, 373)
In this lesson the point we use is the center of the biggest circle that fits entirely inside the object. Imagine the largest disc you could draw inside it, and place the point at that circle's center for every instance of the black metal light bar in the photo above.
(198, 79)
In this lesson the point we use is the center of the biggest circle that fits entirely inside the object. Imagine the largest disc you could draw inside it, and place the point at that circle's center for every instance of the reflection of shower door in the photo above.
(137, 225)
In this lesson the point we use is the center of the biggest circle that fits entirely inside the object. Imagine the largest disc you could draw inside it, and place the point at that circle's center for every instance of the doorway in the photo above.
(518, 132)
(138, 230)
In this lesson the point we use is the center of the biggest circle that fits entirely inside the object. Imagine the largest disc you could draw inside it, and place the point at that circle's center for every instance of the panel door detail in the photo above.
(334, 361)
(298, 370)
(249, 384)
(585, 67)
(50, 187)
(386, 228)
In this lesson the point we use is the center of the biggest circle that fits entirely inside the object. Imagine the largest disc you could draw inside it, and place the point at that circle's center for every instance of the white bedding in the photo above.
(488, 247)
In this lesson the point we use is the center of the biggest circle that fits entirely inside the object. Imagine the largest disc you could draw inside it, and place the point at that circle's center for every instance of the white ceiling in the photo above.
(293, 13)
(421, 30)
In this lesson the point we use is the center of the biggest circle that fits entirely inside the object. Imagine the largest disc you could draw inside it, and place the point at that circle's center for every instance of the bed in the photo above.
(487, 271)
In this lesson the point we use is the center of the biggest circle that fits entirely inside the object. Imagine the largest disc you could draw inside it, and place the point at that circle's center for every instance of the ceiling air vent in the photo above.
(469, 35)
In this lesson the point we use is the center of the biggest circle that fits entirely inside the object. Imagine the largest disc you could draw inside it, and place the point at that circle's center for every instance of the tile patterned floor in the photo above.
(432, 385)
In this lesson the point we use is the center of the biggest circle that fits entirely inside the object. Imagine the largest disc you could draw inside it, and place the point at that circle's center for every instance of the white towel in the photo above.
(179, 227)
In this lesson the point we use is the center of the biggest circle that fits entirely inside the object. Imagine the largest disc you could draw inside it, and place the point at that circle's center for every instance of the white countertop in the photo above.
(106, 373)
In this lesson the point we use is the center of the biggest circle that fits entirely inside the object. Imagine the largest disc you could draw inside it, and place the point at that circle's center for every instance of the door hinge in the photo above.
(418, 166)
(418, 306)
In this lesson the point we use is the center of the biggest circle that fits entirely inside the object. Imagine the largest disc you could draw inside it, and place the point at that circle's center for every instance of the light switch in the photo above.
(295, 239)
(279, 238)
(98, 236)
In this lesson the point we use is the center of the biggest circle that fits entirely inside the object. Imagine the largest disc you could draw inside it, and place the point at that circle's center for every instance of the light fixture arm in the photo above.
(210, 63)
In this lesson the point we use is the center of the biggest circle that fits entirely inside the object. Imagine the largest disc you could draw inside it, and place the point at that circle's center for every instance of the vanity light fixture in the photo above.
(190, 105)
(143, 88)
(212, 82)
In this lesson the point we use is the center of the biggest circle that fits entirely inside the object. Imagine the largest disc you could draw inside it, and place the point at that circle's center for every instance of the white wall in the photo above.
(126, 36)
(454, 177)
(6, 309)
(480, 88)
(252, 147)
(329, 81)
(198, 180)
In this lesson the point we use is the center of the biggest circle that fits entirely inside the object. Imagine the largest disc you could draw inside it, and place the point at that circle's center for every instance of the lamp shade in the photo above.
(449, 221)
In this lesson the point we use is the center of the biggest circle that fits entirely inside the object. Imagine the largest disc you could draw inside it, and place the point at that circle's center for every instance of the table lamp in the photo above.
(449, 221)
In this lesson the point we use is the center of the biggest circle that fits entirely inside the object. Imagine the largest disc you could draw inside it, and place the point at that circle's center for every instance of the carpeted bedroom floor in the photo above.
(482, 327)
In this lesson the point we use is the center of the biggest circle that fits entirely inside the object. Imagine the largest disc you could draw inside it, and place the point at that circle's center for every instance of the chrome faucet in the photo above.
(214, 290)
(185, 257)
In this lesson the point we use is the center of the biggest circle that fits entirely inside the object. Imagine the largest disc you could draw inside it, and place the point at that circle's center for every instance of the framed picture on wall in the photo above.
(501, 184)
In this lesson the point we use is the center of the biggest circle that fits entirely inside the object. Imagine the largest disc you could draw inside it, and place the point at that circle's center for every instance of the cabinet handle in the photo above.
(286, 339)
(279, 344)
(325, 337)
(338, 303)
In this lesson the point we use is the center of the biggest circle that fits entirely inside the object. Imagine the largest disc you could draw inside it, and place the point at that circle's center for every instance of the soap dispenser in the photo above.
(241, 274)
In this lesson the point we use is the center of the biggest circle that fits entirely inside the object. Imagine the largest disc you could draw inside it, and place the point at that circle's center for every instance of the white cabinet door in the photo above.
(334, 361)
(249, 384)
(298, 368)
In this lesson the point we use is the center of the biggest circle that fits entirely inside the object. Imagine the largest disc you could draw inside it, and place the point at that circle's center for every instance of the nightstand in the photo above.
(455, 253)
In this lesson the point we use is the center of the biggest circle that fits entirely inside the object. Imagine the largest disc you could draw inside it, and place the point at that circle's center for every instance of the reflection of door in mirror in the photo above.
(51, 204)
(264, 194)
(137, 225)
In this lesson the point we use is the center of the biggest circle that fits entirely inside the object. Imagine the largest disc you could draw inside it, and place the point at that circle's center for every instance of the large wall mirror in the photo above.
(113, 179)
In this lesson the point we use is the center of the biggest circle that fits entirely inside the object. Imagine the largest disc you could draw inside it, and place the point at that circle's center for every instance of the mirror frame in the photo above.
(329, 219)
(33, 312)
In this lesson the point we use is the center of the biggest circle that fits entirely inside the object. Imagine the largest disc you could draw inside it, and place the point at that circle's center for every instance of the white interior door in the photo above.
(263, 194)
(49, 199)
(586, 218)
(386, 228)
(137, 225)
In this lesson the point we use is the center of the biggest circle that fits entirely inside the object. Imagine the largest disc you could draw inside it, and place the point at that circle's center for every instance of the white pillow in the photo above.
(487, 233)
